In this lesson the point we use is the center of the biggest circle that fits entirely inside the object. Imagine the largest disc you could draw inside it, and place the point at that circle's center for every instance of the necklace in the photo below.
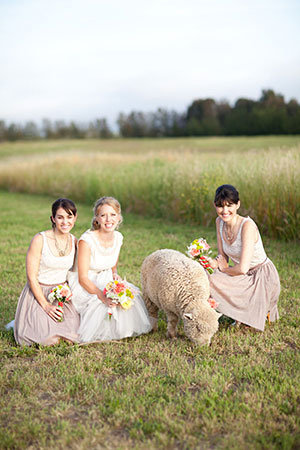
(61, 252)
(230, 236)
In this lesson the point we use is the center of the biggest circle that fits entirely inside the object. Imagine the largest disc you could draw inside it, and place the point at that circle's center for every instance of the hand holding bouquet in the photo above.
(121, 294)
(200, 250)
(62, 293)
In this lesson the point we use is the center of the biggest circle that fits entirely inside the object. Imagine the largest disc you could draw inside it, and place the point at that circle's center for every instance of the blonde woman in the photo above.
(98, 254)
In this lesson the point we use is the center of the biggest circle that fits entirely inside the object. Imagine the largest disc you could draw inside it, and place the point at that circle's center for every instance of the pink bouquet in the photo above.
(199, 250)
(62, 294)
(121, 294)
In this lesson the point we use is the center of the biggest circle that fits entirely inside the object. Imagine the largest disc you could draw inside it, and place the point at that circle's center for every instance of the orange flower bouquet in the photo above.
(121, 294)
(199, 250)
(62, 294)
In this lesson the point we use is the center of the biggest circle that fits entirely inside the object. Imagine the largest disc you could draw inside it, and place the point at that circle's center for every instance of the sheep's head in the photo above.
(200, 327)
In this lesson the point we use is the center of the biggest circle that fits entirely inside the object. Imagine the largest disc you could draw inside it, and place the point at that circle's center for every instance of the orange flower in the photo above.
(212, 303)
(120, 287)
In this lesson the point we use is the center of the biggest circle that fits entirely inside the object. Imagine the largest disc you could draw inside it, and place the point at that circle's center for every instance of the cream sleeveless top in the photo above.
(53, 269)
(234, 250)
(102, 258)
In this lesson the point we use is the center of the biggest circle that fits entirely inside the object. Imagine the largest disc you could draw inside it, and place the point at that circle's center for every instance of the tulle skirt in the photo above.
(248, 298)
(95, 322)
(33, 325)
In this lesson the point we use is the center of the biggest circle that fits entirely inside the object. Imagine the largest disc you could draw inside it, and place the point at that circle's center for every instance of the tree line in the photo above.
(270, 114)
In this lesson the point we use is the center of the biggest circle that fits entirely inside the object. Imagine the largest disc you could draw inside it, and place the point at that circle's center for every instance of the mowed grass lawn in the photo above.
(146, 392)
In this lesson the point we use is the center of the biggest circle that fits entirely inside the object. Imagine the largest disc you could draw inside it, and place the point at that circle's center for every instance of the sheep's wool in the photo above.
(178, 285)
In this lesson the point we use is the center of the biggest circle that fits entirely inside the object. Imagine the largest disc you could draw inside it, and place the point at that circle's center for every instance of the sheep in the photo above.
(179, 286)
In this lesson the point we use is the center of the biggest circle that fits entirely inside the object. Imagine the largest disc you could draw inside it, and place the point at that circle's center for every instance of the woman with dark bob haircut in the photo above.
(248, 291)
(49, 257)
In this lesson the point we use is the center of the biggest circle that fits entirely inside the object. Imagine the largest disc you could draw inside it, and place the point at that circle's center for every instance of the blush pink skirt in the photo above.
(248, 298)
(33, 325)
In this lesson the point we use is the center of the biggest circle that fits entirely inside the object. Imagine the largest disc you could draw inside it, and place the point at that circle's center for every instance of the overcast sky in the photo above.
(84, 59)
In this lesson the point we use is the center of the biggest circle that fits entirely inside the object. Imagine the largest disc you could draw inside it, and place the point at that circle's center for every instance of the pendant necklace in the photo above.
(228, 236)
(60, 251)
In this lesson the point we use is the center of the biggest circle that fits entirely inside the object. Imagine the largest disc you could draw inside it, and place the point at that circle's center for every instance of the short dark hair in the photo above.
(226, 193)
(64, 203)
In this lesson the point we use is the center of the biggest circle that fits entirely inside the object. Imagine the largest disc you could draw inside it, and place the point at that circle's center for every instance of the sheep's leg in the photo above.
(152, 310)
(172, 324)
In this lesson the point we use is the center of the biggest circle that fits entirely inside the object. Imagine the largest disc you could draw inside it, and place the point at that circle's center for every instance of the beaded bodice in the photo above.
(234, 249)
(102, 258)
(53, 269)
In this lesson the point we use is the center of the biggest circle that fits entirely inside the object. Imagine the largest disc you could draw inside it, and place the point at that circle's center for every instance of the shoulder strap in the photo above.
(119, 237)
(244, 219)
(221, 225)
(42, 233)
(88, 238)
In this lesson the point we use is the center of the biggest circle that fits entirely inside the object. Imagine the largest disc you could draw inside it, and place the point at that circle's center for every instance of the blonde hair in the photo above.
(111, 201)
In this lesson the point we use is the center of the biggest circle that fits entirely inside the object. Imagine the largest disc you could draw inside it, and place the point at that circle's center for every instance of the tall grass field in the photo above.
(170, 178)
(149, 392)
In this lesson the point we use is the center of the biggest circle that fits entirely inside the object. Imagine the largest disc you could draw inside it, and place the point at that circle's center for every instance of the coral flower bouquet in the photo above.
(121, 294)
(62, 294)
(200, 250)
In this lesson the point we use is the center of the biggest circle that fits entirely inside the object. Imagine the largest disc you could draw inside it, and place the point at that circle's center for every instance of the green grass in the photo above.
(137, 146)
(147, 392)
(174, 179)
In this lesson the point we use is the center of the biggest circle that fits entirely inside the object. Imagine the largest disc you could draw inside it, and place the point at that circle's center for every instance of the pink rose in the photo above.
(212, 303)
(204, 244)
(195, 252)
(119, 288)
(64, 292)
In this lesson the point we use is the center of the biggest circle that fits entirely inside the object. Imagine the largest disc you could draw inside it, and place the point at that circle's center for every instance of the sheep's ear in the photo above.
(188, 316)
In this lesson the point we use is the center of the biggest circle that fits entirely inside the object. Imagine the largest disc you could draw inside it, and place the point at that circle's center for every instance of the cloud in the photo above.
(86, 58)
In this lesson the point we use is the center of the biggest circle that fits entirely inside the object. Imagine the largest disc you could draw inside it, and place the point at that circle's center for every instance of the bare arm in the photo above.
(32, 269)
(115, 273)
(84, 258)
(214, 262)
(75, 255)
(249, 237)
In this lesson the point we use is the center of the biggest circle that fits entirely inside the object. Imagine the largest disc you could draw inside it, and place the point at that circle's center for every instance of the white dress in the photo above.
(95, 324)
